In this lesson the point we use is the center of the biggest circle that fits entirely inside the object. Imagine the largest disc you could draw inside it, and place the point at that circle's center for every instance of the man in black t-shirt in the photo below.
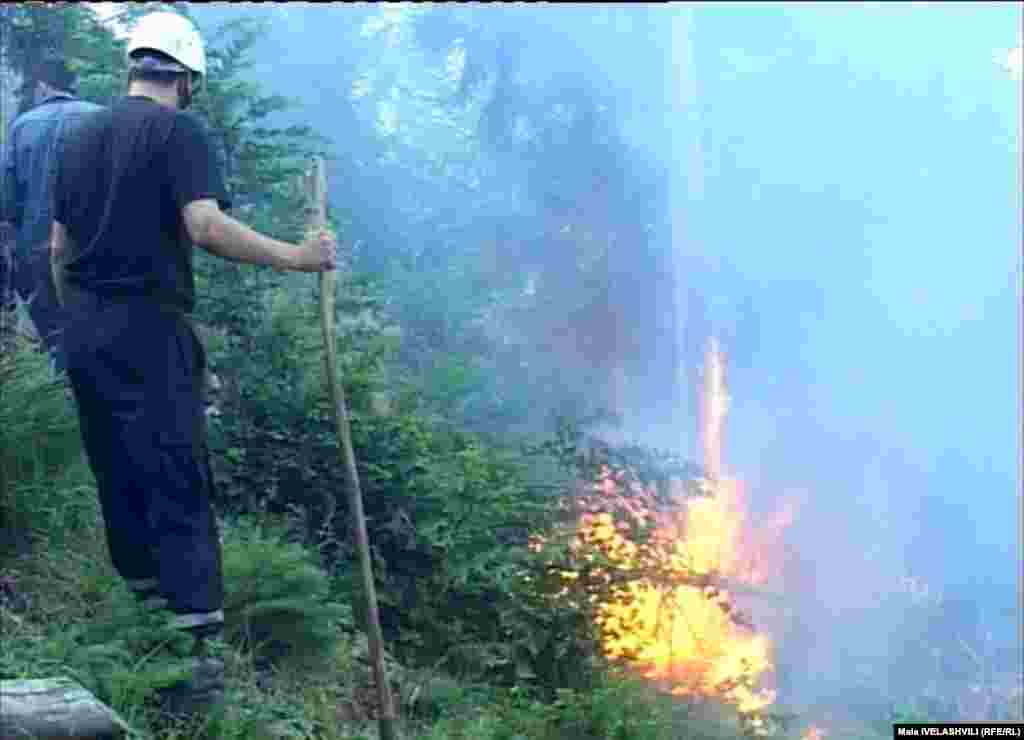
(135, 189)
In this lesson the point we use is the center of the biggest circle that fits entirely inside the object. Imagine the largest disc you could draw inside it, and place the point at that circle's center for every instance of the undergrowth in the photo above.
(296, 659)
(64, 612)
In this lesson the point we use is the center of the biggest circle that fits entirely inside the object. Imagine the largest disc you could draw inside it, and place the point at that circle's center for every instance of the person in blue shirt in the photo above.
(30, 157)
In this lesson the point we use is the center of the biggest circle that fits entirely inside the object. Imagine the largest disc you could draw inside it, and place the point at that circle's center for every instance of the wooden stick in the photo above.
(316, 190)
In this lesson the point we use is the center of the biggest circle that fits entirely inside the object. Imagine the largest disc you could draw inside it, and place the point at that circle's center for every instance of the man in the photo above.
(30, 160)
(136, 188)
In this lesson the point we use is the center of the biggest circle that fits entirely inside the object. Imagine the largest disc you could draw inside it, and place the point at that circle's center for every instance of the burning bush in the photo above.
(654, 573)
(659, 565)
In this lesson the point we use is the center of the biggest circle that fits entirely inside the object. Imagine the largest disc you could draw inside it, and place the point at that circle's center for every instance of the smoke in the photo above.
(1012, 61)
(844, 209)
(837, 397)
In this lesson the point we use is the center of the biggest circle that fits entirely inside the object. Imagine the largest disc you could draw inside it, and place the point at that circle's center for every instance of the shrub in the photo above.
(276, 598)
(44, 483)
(615, 709)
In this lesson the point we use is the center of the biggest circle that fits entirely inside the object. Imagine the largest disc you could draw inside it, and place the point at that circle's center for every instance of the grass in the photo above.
(77, 619)
(63, 611)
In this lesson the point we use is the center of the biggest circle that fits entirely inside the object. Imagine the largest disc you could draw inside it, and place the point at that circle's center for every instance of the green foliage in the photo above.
(71, 31)
(276, 600)
(510, 208)
(43, 482)
(274, 439)
(449, 516)
(450, 513)
(261, 165)
(617, 709)
(549, 642)
(551, 619)
(431, 696)
(466, 498)
(104, 640)
(126, 653)
(82, 622)
(485, 604)
(472, 512)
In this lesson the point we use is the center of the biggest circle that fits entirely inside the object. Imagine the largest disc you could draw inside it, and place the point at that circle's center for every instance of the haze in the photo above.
(845, 200)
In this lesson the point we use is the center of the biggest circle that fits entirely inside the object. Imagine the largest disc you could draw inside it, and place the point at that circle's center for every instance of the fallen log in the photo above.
(55, 709)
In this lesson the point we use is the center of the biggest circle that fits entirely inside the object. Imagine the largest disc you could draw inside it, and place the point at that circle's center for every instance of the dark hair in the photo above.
(54, 71)
(142, 71)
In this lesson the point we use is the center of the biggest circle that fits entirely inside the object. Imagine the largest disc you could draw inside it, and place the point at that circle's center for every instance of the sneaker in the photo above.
(201, 693)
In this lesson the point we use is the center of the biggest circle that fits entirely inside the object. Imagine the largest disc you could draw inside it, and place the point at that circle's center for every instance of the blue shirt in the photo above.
(30, 163)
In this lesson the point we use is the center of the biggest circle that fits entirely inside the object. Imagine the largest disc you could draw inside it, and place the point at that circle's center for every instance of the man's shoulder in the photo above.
(56, 110)
(130, 107)
(77, 115)
(190, 133)
(23, 119)
(83, 106)
(190, 121)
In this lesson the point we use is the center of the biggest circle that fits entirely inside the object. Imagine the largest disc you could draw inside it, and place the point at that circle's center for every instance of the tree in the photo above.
(517, 212)
(33, 30)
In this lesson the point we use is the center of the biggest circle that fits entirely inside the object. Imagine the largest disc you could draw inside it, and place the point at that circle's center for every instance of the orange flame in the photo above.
(714, 405)
(682, 629)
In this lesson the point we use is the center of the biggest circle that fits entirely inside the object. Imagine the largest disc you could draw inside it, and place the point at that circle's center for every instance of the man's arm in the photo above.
(223, 236)
(61, 245)
(8, 192)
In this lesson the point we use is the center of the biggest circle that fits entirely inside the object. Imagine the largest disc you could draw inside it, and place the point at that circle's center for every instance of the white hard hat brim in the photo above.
(172, 35)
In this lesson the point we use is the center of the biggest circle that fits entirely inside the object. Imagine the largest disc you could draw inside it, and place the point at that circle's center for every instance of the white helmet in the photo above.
(170, 34)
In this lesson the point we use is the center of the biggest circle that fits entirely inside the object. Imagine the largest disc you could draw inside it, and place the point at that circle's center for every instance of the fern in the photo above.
(41, 468)
(277, 601)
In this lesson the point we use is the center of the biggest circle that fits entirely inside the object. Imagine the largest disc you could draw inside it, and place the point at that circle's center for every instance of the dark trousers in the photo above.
(137, 373)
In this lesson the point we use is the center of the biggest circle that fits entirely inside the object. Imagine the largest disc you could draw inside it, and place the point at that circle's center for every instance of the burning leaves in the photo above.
(660, 568)
(666, 607)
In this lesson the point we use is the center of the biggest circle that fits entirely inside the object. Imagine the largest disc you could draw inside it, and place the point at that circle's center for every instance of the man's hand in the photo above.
(318, 252)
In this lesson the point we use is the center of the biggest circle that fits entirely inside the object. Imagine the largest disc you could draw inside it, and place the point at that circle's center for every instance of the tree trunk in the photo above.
(55, 709)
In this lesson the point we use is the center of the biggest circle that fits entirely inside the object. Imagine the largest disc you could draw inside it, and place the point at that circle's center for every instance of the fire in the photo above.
(673, 618)
(714, 405)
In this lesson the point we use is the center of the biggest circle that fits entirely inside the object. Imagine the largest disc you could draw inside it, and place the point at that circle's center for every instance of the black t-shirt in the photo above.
(121, 184)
